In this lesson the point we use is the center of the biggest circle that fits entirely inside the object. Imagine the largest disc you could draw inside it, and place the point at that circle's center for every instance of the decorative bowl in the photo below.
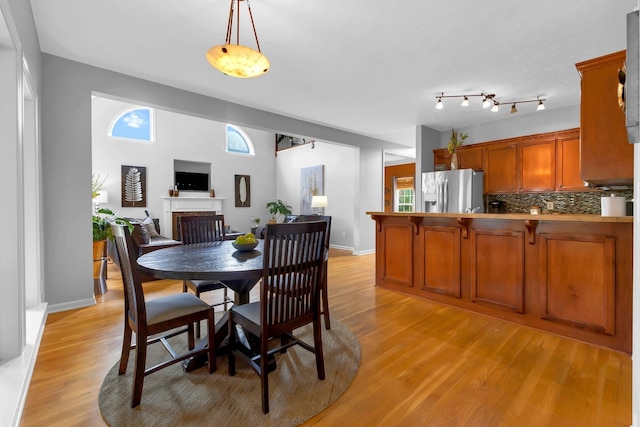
(244, 247)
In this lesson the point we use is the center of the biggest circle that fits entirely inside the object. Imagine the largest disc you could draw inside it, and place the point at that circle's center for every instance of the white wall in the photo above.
(339, 179)
(182, 137)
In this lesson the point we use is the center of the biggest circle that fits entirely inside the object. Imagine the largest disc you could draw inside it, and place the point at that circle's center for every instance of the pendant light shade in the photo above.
(234, 59)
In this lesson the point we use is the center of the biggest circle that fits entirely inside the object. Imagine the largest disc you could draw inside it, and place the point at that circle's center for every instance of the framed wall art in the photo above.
(243, 191)
(134, 186)
(311, 184)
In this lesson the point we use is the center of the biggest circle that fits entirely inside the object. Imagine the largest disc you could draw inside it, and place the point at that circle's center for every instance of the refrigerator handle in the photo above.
(446, 195)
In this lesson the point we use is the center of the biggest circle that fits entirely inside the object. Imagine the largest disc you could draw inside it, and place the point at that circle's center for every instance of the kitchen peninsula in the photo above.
(566, 274)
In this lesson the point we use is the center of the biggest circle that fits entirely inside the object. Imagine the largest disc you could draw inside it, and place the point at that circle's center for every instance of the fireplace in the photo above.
(179, 206)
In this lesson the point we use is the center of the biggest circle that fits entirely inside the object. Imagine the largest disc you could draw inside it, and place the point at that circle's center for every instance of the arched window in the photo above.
(238, 142)
(134, 123)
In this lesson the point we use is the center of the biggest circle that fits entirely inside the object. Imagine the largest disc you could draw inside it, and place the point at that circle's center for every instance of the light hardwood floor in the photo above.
(423, 363)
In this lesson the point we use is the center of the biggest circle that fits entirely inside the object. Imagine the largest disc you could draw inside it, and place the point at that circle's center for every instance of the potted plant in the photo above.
(277, 209)
(101, 232)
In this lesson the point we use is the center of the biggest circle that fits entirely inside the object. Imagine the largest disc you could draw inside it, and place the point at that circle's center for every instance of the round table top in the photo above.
(204, 261)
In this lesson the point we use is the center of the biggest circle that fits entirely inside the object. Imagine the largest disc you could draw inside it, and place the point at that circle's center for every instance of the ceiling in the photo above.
(369, 67)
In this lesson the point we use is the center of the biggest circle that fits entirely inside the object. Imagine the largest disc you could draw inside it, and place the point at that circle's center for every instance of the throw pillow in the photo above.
(151, 227)
(140, 234)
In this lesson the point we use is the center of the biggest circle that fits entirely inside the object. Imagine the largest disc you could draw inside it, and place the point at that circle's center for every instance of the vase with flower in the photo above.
(455, 141)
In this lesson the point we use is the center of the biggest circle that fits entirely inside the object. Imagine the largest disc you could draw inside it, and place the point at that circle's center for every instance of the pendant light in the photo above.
(234, 59)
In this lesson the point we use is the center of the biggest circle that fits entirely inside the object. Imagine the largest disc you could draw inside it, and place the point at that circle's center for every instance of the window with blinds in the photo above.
(404, 200)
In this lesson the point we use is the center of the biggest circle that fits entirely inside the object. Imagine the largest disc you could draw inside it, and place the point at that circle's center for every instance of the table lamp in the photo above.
(102, 197)
(319, 202)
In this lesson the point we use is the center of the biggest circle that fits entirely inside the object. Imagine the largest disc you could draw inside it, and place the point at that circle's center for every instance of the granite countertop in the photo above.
(516, 216)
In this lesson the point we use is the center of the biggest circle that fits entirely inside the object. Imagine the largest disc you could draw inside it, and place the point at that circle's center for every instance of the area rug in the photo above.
(172, 397)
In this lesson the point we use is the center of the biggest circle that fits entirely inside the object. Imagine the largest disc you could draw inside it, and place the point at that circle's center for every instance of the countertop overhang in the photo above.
(512, 216)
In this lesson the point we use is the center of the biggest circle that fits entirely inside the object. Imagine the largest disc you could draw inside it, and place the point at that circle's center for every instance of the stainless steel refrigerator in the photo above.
(456, 191)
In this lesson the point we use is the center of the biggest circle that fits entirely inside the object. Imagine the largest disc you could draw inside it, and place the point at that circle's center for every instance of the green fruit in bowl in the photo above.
(240, 240)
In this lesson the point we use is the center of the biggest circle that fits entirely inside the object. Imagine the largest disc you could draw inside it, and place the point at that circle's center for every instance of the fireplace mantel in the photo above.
(188, 204)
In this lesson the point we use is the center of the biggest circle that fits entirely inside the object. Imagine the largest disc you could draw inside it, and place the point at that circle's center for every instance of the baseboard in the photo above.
(367, 252)
(72, 305)
(15, 374)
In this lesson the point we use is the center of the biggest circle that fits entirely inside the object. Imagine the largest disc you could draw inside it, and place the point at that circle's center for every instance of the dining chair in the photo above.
(292, 275)
(324, 288)
(171, 314)
(203, 229)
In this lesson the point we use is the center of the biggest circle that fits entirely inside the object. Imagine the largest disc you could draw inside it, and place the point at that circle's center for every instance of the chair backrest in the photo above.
(292, 275)
(325, 218)
(201, 229)
(134, 306)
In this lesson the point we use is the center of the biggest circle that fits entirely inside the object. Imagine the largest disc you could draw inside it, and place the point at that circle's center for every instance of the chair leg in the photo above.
(126, 348)
(232, 343)
(138, 371)
(317, 342)
(211, 341)
(184, 286)
(197, 323)
(225, 298)
(264, 375)
(325, 303)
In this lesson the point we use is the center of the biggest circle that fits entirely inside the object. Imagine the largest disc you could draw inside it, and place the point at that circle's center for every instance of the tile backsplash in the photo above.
(587, 202)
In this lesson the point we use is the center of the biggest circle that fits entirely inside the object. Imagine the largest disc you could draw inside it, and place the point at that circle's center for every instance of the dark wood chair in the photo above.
(202, 229)
(324, 289)
(289, 298)
(150, 318)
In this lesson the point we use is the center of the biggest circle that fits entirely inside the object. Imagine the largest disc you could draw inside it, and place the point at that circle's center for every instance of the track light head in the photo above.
(486, 103)
(465, 102)
(513, 108)
(496, 107)
(439, 105)
(540, 105)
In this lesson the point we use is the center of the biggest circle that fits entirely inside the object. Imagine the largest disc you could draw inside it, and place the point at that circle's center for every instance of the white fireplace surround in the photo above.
(187, 204)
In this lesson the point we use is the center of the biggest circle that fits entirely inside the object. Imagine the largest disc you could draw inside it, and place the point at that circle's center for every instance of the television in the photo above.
(192, 181)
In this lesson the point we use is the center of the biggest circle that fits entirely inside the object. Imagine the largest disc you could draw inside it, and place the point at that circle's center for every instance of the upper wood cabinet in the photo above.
(500, 168)
(568, 163)
(471, 158)
(528, 164)
(537, 165)
(606, 157)
(441, 159)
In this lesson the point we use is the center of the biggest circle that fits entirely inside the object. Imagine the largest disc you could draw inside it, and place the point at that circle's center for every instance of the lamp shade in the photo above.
(319, 202)
(102, 197)
(237, 60)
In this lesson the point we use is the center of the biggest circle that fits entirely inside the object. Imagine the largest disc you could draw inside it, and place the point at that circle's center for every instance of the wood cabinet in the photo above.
(441, 160)
(441, 261)
(566, 274)
(471, 158)
(537, 165)
(568, 163)
(486, 247)
(573, 293)
(500, 169)
(606, 157)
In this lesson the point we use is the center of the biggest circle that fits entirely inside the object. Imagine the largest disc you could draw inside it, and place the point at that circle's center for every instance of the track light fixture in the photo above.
(488, 100)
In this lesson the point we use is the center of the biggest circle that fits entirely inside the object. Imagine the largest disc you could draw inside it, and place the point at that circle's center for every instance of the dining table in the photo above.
(238, 270)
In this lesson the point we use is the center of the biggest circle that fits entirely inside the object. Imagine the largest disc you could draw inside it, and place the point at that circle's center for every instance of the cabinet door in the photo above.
(537, 166)
(568, 164)
(606, 157)
(395, 259)
(500, 171)
(441, 160)
(471, 158)
(441, 260)
(497, 269)
(578, 280)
